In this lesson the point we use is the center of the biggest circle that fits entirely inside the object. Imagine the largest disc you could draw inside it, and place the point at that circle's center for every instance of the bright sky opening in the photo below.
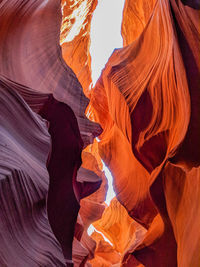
(110, 193)
(105, 37)
(91, 229)
(105, 33)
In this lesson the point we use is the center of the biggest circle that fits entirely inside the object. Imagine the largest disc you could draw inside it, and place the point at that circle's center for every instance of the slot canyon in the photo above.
(99, 133)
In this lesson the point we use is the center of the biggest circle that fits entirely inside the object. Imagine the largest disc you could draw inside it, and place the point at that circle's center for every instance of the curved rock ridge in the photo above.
(105, 255)
(35, 100)
(83, 247)
(91, 207)
(147, 101)
(134, 72)
(26, 238)
(32, 65)
(33, 145)
(182, 193)
(188, 30)
(30, 55)
(124, 234)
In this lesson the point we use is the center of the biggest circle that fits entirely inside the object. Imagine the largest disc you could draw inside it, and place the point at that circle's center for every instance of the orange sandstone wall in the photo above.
(147, 103)
(136, 15)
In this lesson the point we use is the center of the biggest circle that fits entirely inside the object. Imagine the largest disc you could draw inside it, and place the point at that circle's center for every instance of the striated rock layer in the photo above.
(25, 146)
(147, 101)
(136, 15)
(32, 66)
(30, 54)
(26, 238)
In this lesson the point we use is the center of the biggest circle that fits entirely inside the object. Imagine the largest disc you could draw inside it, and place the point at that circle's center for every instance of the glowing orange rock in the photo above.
(147, 103)
(75, 38)
(182, 193)
(136, 15)
(92, 206)
(105, 255)
(122, 231)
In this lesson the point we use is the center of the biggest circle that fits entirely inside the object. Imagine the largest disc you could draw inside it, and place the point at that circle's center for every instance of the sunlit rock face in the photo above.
(121, 230)
(105, 254)
(136, 16)
(75, 38)
(147, 103)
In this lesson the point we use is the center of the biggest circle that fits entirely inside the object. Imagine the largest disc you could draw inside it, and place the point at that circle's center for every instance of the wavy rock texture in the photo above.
(136, 15)
(122, 231)
(105, 255)
(83, 249)
(75, 42)
(25, 181)
(26, 238)
(92, 206)
(32, 65)
(30, 54)
(147, 101)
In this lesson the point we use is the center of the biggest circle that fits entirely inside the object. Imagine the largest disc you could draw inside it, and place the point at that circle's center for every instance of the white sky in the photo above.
(110, 193)
(105, 33)
(105, 37)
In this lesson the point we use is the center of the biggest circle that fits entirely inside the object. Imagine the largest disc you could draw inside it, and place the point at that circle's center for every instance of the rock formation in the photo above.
(147, 103)
(75, 38)
(32, 70)
(26, 237)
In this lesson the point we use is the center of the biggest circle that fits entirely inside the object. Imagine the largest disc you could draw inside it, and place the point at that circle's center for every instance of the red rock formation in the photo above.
(105, 255)
(147, 103)
(136, 15)
(32, 65)
(64, 161)
(182, 200)
(121, 230)
(26, 238)
(92, 207)
(30, 54)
